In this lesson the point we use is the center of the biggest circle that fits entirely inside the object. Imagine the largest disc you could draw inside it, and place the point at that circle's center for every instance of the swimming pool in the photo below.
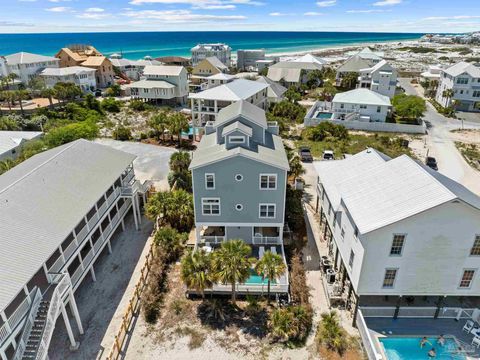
(324, 115)
(408, 348)
(256, 279)
(190, 131)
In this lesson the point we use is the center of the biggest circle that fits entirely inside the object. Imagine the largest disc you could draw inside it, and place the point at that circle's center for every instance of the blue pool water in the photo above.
(257, 279)
(190, 132)
(324, 115)
(408, 348)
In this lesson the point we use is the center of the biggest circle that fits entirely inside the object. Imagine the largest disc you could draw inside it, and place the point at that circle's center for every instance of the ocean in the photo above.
(136, 45)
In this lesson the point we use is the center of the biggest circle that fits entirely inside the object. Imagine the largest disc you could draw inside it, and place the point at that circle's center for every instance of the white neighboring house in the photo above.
(288, 73)
(133, 69)
(206, 104)
(432, 73)
(464, 79)
(162, 84)
(12, 141)
(202, 51)
(397, 228)
(309, 58)
(219, 79)
(361, 105)
(247, 59)
(381, 78)
(26, 65)
(60, 210)
(355, 63)
(83, 77)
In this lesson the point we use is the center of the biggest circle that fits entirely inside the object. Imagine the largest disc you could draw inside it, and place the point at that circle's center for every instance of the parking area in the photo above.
(151, 162)
(102, 303)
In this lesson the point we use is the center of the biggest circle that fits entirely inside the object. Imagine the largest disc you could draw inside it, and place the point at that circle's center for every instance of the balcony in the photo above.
(212, 235)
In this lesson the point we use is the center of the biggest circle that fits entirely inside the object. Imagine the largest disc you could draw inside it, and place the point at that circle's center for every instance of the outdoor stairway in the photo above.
(35, 337)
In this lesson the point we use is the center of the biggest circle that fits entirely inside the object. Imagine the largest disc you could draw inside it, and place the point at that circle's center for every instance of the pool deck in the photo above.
(421, 327)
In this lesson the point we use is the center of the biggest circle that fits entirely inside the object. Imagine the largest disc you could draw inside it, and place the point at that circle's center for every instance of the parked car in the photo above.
(328, 155)
(305, 154)
(431, 162)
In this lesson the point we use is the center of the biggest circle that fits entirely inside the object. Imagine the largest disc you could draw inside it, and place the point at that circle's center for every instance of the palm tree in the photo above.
(196, 271)
(232, 263)
(180, 161)
(349, 80)
(159, 122)
(49, 93)
(178, 123)
(270, 267)
(21, 95)
(11, 77)
(448, 94)
(296, 167)
(9, 97)
(281, 323)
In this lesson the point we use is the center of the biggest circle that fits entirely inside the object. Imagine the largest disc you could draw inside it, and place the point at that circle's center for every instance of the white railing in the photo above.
(57, 265)
(378, 311)
(70, 250)
(103, 208)
(82, 234)
(63, 283)
(19, 312)
(76, 275)
(367, 340)
(416, 312)
(91, 223)
(252, 288)
(212, 239)
(27, 327)
(266, 240)
(88, 258)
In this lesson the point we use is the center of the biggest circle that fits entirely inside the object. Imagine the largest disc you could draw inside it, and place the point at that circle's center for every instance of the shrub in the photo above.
(9, 123)
(171, 242)
(111, 105)
(326, 130)
(331, 335)
(71, 132)
(290, 111)
(299, 291)
(174, 208)
(139, 105)
(290, 324)
(294, 213)
(409, 106)
(122, 133)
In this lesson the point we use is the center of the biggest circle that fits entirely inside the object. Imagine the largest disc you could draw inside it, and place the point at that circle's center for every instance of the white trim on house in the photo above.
(268, 181)
(268, 205)
(236, 139)
(205, 202)
(206, 181)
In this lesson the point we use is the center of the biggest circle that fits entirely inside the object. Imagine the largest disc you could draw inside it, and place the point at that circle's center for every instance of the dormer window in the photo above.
(236, 139)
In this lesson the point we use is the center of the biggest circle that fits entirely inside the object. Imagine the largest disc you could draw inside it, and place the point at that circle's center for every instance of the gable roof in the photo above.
(237, 126)
(378, 66)
(216, 62)
(362, 96)
(150, 84)
(309, 58)
(367, 53)
(27, 58)
(406, 189)
(71, 70)
(94, 61)
(463, 67)
(354, 64)
(9, 140)
(162, 70)
(221, 76)
(275, 90)
(240, 89)
(290, 71)
(43, 199)
(244, 109)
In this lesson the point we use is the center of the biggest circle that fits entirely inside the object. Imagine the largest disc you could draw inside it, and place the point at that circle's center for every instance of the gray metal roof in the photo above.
(71, 70)
(150, 84)
(245, 109)
(362, 96)
(9, 140)
(240, 89)
(275, 90)
(43, 199)
(463, 67)
(237, 126)
(28, 58)
(354, 64)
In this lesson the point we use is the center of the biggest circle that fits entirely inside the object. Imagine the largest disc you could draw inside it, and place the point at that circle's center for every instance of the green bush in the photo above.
(327, 129)
(409, 106)
(111, 105)
(291, 324)
(174, 208)
(138, 105)
(170, 241)
(331, 335)
(294, 212)
(122, 133)
(71, 132)
(290, 111)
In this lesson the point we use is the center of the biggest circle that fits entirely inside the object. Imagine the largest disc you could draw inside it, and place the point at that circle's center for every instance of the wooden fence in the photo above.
(133, 309)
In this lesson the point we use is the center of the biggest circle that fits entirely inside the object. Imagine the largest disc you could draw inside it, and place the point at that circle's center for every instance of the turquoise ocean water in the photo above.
(135, 45)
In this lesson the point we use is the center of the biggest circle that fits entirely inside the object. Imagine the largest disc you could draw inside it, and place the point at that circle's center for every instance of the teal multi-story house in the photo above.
(239, 182)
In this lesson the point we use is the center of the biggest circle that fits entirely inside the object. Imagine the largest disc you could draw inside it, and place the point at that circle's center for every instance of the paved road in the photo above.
(442, 147)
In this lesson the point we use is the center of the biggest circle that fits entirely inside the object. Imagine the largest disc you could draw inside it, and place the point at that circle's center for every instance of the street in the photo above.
(441, 146)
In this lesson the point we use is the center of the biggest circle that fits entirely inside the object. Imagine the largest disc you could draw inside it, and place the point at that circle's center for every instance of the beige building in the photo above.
(88, 56)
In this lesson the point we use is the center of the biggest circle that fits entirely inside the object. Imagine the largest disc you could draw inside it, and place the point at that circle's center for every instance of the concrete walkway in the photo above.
(102, 304)
(440, 144)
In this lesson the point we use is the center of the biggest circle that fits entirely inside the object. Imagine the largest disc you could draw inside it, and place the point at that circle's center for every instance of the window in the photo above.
(363, 106)
(389, 279)
(397, 244)
(475, 251)
(342, 233)
(379, 108)
(352, 258)
(476, 93)
(342, 106)
(210, 181)
(239, 207)
(236, 139)
(462, 81)
(239, 177)
(210, 206)
(266, 211)
(268, 181)
(467, 278)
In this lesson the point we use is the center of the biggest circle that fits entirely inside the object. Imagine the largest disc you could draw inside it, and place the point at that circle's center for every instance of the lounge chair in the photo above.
(468, 326)
(476, 341)
(273, 250)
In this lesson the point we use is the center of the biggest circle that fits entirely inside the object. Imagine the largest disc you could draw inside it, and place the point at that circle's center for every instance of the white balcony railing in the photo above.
(17, 316)
(88, 257)
(76, 275)
(70, 250)
(214, 239)
(266, 240)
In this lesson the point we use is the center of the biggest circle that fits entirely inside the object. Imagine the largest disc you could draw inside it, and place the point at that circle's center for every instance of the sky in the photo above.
(423, 16)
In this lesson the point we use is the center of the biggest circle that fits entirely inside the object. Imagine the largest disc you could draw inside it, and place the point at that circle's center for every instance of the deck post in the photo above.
(355, 312)
(316, 205)
(92, 272)
(123, 224)
(76, 314)
(134, 212)
(2, 355)
(109, 247)
(73, 343)
(137, 201)
(397, 308)
(439, 306)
